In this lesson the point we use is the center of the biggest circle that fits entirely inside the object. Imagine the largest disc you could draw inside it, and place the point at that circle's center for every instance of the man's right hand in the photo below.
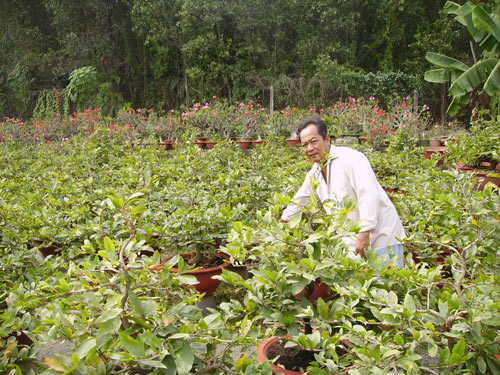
(362, 243)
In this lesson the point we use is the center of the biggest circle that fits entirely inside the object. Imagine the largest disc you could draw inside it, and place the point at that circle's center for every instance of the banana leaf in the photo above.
(492, 84)
(445, 62)
(483, 21)
(472, 77)
(457, 103)
(437, 76)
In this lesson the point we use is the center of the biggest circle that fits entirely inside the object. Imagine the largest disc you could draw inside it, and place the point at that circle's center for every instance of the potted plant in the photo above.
(130, 320)
(287, 259)
(417, 319)
(293, 140)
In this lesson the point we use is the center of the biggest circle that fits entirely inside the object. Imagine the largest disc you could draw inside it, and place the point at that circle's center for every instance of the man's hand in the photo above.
(362, 243)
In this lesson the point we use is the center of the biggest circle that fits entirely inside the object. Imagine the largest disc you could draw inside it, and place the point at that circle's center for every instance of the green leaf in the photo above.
(187, 279)
(134, 347)
(457, 103)
(109, 245)
(136, 210)
(322, 308)
(152, 363)
(481, 364)
(116, 202)
(109, 314)
(472, 77)
(399, 339)
(110, 326)
(459, 348)
(308, 264)
(135, 303)
(282, 199)
(492, 84)
(437, 76)
(483, 21)
(238, 226)
(83, 349)
(55, 364)
(409, 306)
(444, 356)
(492, 321)
(185, 359)
(295, 220)
(445, 62)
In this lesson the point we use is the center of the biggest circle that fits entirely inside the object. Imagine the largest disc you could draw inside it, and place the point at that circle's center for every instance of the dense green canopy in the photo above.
(163, 54)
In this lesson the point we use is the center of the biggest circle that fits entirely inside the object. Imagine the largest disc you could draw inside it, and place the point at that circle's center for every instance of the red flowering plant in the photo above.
(168, 126)
(286, 121)
(249, 120)
(351, 117)
(15, 130)
(409, 118)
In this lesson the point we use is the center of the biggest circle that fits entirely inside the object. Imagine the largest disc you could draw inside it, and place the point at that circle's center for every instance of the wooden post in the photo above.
(415, 101)
(271, 100)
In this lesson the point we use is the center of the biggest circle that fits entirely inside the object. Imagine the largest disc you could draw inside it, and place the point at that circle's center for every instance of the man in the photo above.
(342, 172)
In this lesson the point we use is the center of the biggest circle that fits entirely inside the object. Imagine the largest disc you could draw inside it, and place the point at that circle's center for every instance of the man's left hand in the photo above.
(362, 243)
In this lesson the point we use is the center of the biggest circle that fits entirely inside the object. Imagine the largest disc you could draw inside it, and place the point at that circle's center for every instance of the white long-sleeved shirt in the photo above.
(349, 174)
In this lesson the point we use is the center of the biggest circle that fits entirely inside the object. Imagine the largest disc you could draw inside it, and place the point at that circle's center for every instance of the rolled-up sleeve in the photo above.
(365, 187)
(301, 198)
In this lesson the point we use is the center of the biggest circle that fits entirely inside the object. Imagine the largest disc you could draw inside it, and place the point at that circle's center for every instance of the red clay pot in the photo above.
(257, 143)
(200, 144)
(433, 150)
(243, 145)
(210, 145)
(482, 177)
(205, 284)
(292, 142)
(262, 356)
(320, 290)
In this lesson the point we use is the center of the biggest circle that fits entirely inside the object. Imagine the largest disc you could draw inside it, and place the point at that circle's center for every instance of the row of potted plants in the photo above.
(118, 212)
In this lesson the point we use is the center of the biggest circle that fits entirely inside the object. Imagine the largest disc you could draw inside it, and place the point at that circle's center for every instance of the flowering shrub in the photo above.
(414, 120)
(218, 119)
(286, 121)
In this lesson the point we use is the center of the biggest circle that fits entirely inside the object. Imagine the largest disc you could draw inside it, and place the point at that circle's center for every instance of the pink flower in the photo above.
(372, 98)
(405, 104)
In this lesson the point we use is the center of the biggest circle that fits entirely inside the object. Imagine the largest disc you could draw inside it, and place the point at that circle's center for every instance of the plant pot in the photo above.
(482, 177)
(434, 150)
(257, 143)
(319, 290)
(200, 144)
(292, 142)
(205, 284)
(52, 249)
(243, 145)
(210, 145)
(266, 346)
(263, 356)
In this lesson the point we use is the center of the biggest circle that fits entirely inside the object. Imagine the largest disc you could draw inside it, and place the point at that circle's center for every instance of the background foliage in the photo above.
(152, 53)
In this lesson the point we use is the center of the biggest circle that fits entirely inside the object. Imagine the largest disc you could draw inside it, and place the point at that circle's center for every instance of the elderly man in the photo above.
(342, 172)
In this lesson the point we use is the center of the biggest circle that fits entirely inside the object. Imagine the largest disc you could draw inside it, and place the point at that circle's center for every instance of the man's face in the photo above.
(313, 144)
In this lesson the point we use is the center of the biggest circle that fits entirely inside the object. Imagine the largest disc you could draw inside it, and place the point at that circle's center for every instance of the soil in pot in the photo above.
(292, 360)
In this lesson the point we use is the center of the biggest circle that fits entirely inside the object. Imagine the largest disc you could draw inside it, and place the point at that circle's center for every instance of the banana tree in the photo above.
(484, 74)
